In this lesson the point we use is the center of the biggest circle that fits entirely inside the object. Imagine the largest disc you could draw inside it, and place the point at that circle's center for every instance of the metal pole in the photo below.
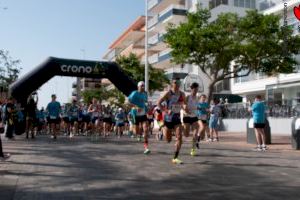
(146, 48)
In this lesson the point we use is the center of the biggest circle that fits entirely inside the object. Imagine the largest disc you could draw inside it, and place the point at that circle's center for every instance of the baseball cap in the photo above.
(141, 83)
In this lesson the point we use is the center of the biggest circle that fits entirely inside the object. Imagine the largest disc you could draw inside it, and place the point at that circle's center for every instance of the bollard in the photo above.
(295, 137)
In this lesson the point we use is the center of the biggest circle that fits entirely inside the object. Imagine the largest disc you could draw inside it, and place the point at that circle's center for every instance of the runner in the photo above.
(40, 114)
(107, 120)
(175, 100)
(158, 115)
(150, 117)
(203, 111)
(65, 119)
(190, 116)
(94, 110)
(139, 99)
(54, 109)
(120, 119)
(30, 113)
(73, 117)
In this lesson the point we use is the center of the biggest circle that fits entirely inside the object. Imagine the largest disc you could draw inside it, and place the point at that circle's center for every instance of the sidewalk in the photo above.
(117, 169)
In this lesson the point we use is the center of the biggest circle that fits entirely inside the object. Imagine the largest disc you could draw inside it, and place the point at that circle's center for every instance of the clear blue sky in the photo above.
(32, 30)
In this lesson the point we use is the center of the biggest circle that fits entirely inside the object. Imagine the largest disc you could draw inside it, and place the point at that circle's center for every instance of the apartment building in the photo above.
(283, 88)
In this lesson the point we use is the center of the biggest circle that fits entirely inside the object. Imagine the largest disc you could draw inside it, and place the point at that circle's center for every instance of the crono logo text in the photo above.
(76, 69)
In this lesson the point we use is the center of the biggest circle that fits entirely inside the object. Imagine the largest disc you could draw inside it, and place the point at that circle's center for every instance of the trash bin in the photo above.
(295, 138)
(251, 138)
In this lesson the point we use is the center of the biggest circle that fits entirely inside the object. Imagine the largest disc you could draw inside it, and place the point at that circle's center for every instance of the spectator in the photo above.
(258, 113)
(215, 113)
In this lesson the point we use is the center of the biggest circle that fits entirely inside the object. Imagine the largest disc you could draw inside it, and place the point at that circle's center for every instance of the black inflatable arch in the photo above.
(51, 67)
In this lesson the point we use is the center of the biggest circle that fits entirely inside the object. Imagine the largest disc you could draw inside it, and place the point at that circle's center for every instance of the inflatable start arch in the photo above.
(24, 86)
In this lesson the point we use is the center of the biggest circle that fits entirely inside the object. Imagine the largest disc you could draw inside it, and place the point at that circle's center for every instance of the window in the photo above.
(236, 3)
(253, 4)
(215, 3)
(247, 4)
(241, 3)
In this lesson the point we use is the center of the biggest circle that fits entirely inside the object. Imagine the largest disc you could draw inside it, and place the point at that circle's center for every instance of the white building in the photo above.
(284, 88)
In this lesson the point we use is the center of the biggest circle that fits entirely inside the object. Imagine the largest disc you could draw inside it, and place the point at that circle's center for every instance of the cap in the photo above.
(141, 83)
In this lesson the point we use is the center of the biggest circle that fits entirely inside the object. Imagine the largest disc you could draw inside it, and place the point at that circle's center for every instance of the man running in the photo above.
(73, 114)
(190, 116)
(139, 99)
(54, 110)
(175, 100)
(120, 119)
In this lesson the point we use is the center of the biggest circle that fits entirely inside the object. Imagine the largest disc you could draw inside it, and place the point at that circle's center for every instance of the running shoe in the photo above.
(193, 152)
(176, 161)
(139, 139)
(147, 151)
(257, 149)
(5, 157)
(264, 148)
(216, 140)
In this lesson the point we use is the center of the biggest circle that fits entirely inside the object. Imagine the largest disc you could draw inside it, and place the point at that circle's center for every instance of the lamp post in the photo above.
(146, 48)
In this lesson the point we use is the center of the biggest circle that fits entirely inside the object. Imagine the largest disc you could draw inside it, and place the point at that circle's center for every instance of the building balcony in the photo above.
(226, 9)
(153, 59)
(153, 3)
(174, 14)
(112, 54)
(156, 6)
(153, 21)
(158, 37)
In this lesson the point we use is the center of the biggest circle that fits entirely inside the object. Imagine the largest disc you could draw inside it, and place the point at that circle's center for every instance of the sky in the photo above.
(32, 30)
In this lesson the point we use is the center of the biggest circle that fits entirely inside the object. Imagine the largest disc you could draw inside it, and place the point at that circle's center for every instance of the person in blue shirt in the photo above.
(203, 111)
(138, 100)
(73, 114)
(120, 121)
(54, 109)
(259, 117)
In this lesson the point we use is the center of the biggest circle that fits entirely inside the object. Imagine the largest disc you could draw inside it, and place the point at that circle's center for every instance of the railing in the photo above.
(153, 3)
(153, 21)
(153, 40)
(240, 111)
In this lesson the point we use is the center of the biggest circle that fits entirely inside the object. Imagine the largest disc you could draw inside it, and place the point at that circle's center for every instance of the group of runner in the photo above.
(176, 114)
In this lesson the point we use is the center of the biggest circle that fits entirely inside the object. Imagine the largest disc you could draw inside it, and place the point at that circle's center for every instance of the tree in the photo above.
(99, 93)
(134, 69)
(9, 70)
(253, 43)
(116, 98)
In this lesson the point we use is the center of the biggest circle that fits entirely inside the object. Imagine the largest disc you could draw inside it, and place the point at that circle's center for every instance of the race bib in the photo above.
(141, 112)
(176, 108)
(95, 114)
(203, 117)
(52, 117)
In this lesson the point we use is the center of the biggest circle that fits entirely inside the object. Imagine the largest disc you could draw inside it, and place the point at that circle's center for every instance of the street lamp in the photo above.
(146, 48)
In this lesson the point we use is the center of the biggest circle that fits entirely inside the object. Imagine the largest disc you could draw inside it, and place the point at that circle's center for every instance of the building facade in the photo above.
(280, 89)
